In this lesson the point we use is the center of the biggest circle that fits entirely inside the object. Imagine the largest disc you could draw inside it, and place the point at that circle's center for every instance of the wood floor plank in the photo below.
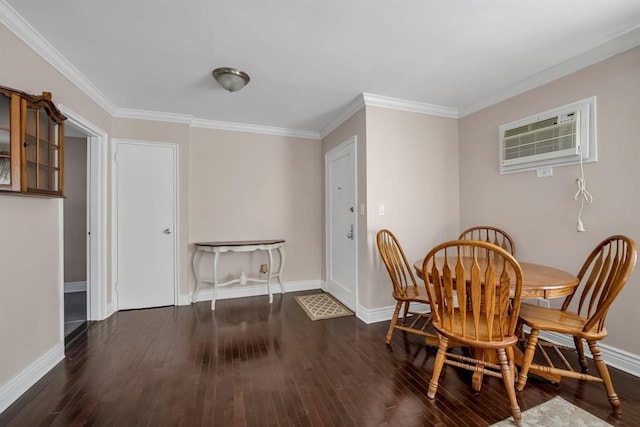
(252, 364)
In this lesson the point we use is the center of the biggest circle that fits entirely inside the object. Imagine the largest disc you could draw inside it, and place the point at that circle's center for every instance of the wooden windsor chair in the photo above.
(405, 288)
(476, 306)
(602, 277)
(487, 233)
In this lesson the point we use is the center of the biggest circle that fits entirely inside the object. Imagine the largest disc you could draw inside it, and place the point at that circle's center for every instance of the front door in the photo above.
(146, 204)
(340, 185)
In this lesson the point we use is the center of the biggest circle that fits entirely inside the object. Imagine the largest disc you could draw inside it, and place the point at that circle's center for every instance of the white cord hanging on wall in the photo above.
(583, 195)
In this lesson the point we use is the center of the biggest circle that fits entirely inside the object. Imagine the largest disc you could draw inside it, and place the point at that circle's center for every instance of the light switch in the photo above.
(380, 209)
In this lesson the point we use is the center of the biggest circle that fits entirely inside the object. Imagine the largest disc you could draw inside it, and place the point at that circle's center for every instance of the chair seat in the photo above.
(413, 293)
(555, 320)
(483, 334)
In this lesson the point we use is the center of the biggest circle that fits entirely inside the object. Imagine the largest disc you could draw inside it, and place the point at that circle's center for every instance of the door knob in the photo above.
(167, 231)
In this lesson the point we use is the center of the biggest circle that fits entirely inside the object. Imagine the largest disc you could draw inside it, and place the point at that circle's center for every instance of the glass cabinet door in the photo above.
(41, 146)
(5, 140)
(9, 142)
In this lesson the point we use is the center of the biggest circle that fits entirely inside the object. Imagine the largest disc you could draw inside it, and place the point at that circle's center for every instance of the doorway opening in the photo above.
(87, 159)
(76, 253)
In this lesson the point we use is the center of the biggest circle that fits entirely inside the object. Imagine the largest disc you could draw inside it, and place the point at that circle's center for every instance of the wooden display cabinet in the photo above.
(31, 143)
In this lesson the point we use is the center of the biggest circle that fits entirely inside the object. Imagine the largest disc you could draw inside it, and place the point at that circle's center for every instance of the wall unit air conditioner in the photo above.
(556, 137)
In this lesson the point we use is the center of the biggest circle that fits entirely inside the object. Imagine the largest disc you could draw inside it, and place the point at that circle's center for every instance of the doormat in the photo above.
(555, 412)
(322, 306)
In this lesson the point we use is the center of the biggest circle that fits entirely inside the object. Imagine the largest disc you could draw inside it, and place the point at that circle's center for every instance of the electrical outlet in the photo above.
(380, 209)
(543, 172)
(264, 271)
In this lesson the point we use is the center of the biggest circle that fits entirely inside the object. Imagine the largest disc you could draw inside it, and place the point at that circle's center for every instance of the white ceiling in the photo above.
(308, 59)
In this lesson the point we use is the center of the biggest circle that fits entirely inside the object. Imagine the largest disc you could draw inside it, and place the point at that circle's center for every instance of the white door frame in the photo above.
(97, 144)
(353, 140)
(114, 214)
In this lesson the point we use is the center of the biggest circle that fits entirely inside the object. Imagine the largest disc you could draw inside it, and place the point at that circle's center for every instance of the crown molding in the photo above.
(25, 32)
(618, 44)
(249, 128)
(372, 100)
(130, 113)
(355, 105)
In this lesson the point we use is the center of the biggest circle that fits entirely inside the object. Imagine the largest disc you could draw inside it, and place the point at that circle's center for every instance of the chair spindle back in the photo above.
(471, 288)
(489, 234)
(602, 277)
(395, 261)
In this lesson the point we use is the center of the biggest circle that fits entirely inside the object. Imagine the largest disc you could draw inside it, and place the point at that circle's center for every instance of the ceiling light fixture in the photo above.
(231, 79)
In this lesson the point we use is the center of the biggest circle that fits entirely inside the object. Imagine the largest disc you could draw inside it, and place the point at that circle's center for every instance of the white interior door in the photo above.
(340, 185)
(146, 239)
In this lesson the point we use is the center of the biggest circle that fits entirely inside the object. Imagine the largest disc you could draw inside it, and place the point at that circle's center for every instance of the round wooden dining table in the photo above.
(539, 281)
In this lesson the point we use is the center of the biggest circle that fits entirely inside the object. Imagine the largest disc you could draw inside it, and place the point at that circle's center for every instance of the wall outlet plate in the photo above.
(543, 172)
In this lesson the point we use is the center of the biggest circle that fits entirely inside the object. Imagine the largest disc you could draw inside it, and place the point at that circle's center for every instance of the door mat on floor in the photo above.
(555, 412)
(322, 306)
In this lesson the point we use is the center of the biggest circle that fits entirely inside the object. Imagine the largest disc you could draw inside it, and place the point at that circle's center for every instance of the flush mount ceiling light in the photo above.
(231, 79)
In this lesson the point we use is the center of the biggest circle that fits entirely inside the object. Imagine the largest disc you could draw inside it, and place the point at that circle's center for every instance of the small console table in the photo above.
(239, 246)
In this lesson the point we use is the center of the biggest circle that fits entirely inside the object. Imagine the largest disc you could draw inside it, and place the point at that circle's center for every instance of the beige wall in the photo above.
(75, 209)
(540, 213)
(412, 168)
(30, 285)
(247, 186)
(30, 227)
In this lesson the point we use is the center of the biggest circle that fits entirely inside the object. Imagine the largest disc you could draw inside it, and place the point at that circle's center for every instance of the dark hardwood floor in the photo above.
(251, 364)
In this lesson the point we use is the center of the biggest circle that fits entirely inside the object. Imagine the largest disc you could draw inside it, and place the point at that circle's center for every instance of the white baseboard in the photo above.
(111, 308)
(614, 357)
(237, 291)
(70, 287)
(12, 390)
(374, 315)
(382, 314)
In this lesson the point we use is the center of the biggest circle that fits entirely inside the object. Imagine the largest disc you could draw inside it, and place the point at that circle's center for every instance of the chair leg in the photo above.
(583, 360)
(507, 378)
(520, 333)
(601, 366)
(394, 320)
(529, 352)
(512, 364)
(406, 312)
(437, 367)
